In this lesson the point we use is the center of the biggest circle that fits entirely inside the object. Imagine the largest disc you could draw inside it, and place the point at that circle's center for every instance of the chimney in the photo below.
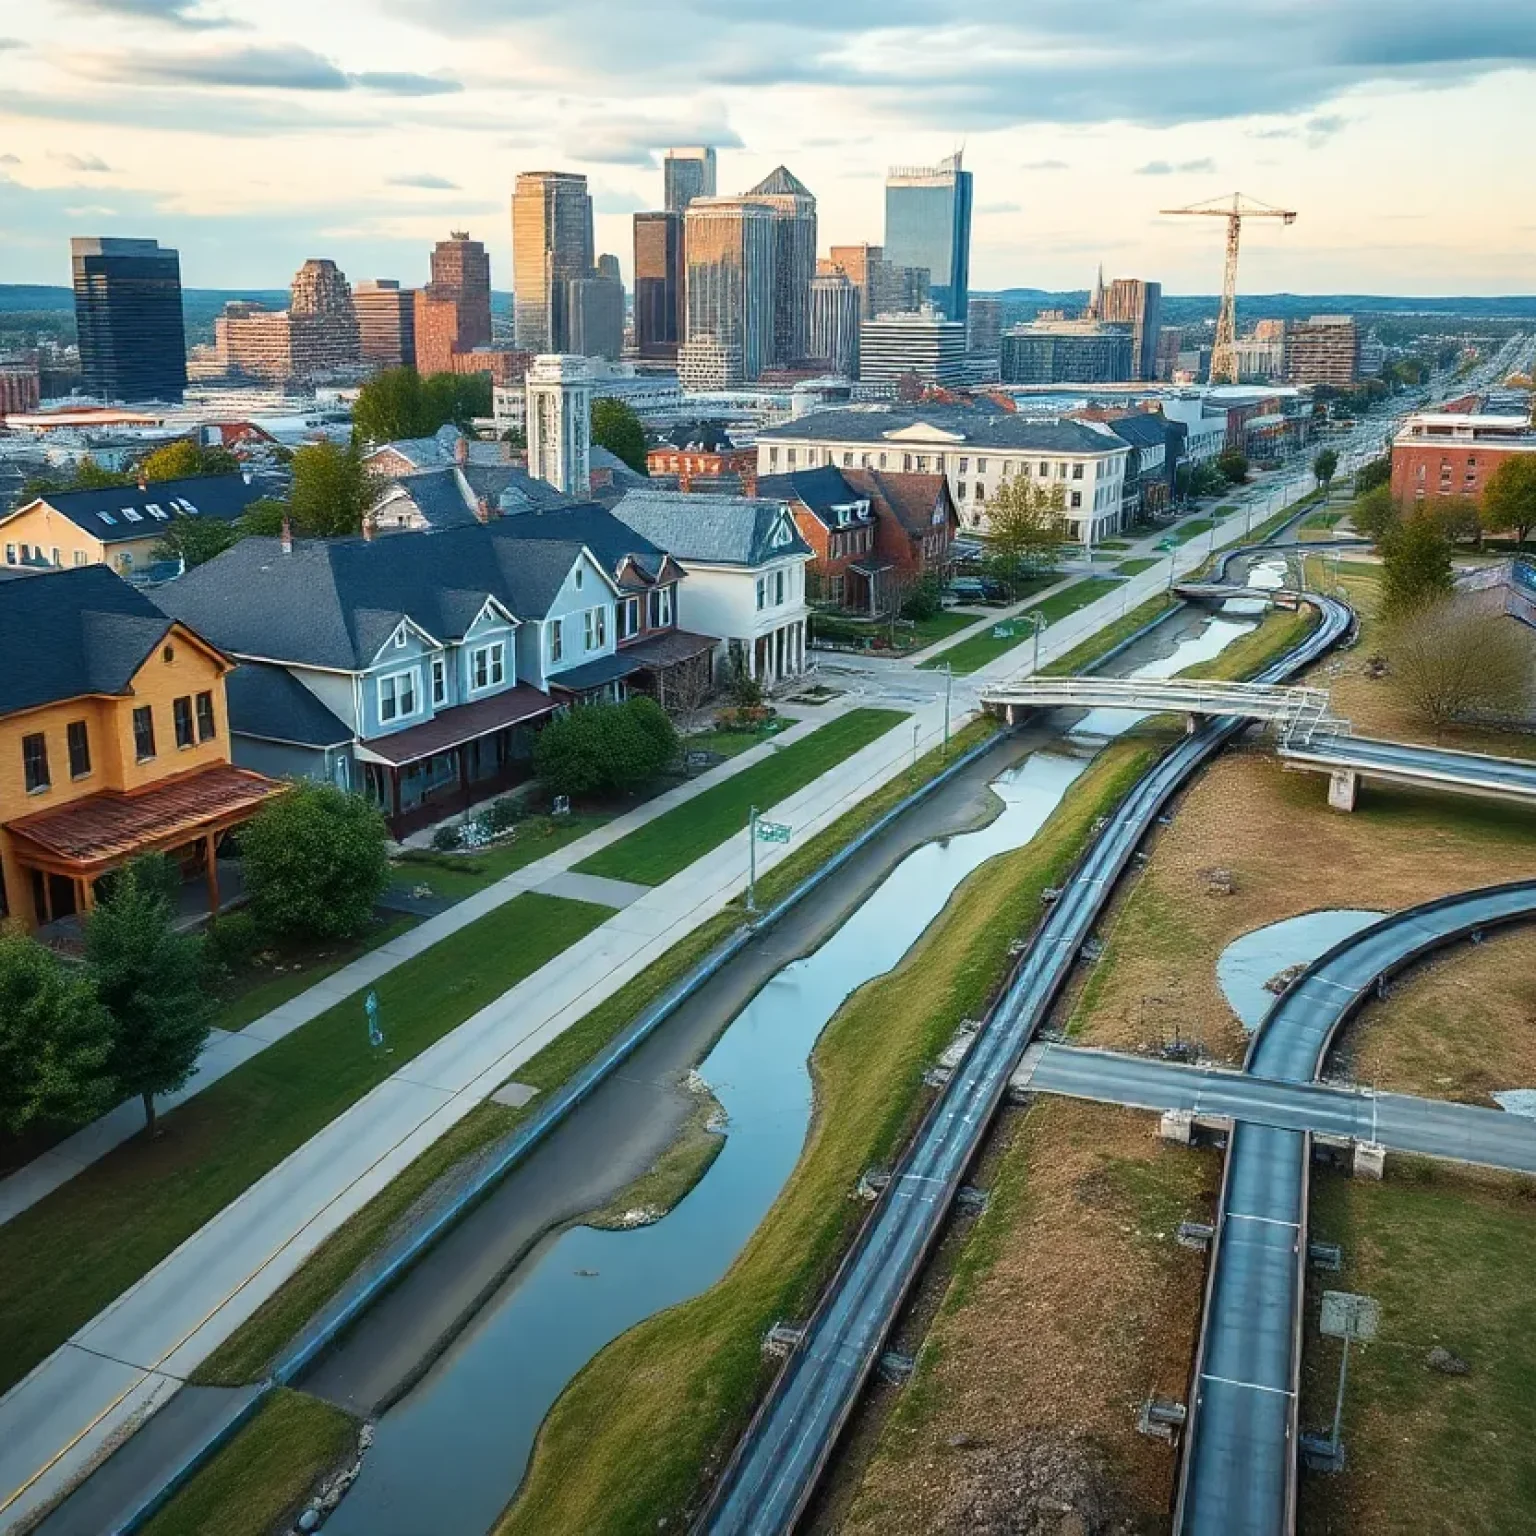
(143, 482)
(483, 513)
(370, 528)
(285, 538)
(461, 449)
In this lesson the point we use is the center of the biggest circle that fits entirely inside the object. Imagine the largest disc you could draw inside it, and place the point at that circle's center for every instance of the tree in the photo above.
(1325, 466)
(263, 518)
(152, 982)
(1457, 517)
(1416, 567)
(315, 862)
(194, 542)
(456, 398)
(55, 1040)
(184, 459)
(331, 490)
(616, 428)
(402, 403)
(604, 748)
(1376, 514)
(1452, 660)
(516, 439)
(1025, 523)
(1509, 498)
(1369, 476)
(1233, 465)
(90, 476)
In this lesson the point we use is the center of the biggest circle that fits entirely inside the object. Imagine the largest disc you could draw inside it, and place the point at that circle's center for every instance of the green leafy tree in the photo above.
(1325, 466)
(390, 406)
(1509, 498)
(263, 518)
(1233, 465)
(616, 428)
(1025, 523)
(1376, 513)
(55, 1040)
(331, 490)
(152, 982)
(1457, 517)
(604, 748)
(315, 862)
(516, 439)
(455, 398)
(91, 476)
(1369, 476)
(1416, 567)
(194, 541)
(184, 459)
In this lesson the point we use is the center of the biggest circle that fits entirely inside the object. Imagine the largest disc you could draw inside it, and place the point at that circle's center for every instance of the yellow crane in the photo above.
(1234, 210)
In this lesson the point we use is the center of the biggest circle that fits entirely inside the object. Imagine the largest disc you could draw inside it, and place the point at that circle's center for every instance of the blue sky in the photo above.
(256, 133)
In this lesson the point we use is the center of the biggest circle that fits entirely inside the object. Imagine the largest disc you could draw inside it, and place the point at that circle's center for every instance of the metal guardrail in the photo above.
(1289, 707)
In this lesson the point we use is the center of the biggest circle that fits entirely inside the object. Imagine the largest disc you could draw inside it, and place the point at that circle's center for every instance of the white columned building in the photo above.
(559, 390)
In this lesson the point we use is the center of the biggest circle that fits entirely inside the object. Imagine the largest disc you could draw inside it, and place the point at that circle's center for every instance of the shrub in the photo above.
(922, 602)
(604, 748)
(503, 814)
(234, 940)
(446, 838)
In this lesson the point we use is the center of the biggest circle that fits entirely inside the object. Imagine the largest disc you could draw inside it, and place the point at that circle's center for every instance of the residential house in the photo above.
(119, 526)
(454, 495)
(1151, 469)
(702, 451)
(746, 562)
(114, 742)
(448, 445)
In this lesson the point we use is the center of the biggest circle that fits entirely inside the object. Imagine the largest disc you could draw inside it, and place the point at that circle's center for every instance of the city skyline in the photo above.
(361, 132)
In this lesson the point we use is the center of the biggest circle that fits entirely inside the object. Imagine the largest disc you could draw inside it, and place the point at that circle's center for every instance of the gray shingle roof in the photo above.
(609, 539)
(714, 530)
(979, 428)
(818, 489)
(213, 498)
(73, 632)
(271, 703)
(436, 496)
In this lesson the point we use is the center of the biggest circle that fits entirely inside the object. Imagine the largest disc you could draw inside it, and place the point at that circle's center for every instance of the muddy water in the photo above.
(450, 1454)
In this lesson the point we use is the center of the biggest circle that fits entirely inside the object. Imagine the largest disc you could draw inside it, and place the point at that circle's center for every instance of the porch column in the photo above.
(752, 658)
(210, 844)
(461, 756)
(394, 792)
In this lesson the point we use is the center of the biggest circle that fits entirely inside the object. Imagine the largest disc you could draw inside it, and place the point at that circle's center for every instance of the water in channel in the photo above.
(451, 1453)
(1249, 962)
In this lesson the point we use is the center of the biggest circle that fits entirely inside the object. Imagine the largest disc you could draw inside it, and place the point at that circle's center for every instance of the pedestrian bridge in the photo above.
(1297, 711)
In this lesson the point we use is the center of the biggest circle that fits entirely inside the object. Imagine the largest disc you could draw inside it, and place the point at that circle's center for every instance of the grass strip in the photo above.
(72, 1253)
(1282, 630)
(455, 876)
(661, 848)
(1082, 656)
(1137, 566)
(1193, 528)
(260, 1481)
(625, 1446)
(974, 653)
(248, 1353)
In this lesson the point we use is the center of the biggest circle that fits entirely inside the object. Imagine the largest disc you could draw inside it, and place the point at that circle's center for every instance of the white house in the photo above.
(745, 561)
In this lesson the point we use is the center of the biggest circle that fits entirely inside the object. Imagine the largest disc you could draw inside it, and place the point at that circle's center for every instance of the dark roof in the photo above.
(910, 498)
(982, 427)
(1142, 429)
(334, 602)
(700, 437)
(715, 530)
(780, 182)
(73, 632)
(820, 490)
(216, 498)
(593, 674)
(271, 703)
(610, 540)
(436, 495)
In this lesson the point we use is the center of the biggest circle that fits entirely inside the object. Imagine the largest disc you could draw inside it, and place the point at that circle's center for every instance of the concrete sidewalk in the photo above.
(91, 1392)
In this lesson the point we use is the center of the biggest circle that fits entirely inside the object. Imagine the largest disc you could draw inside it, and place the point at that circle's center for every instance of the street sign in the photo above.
(1348, 1316)
(772, 832)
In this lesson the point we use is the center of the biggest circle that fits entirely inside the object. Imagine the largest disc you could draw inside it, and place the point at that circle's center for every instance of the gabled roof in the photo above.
(612, 542)
(73, 632)
(436, 495)
(948, 426)
(272, 703)
(1142, 429)
(911, 499)
(780, 182)
(123, 512)
(440, 449)
(699, 437)
(820, 490)
(714, 530)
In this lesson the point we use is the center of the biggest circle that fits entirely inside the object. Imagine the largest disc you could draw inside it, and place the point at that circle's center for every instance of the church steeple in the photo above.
(1096, 303)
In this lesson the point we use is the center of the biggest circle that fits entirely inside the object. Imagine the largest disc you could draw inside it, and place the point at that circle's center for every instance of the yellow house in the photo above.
(114, 742)
(120, 525)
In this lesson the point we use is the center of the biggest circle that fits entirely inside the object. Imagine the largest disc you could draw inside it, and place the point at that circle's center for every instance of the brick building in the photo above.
(1454, 452)
(703, 451)
(19, 388)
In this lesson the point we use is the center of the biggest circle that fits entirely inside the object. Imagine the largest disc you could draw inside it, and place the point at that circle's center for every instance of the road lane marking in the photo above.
(1252, 1386)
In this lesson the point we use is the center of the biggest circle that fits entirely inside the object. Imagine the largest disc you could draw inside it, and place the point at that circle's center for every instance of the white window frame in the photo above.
(439, 674)
(662, 618)
(413, 676)
(493, 655)
(628, 627)
(595, 628)
(556, 641)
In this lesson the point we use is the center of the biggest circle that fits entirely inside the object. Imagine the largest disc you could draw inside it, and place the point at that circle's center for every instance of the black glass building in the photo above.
(133, 344)
(658, 285)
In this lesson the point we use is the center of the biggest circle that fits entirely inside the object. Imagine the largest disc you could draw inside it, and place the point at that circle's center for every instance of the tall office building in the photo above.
(559, 412)
(133, 344)
(835, 315)
(984, 326)
(1135, 302)
(687, 174)
(730, 245)
(386, 322)
(924, 345)
(928, 224)
(254, 342)
(794, 261)
(1323, 350)
(1067, 352)
(323, 320)
(551, 244)
(658, 285)
(884, 287)
(461, 271)
(595, 307)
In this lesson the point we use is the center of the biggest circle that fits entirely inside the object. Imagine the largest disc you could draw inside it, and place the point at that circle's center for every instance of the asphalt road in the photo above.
(1431, 766)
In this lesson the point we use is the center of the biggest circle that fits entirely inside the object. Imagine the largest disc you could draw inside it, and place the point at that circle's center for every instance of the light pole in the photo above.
(949, 685)
(914, 747)
(752, 859)
(1038, 620)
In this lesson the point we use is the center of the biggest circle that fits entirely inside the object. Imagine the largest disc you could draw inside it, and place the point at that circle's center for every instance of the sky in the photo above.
(253, 134)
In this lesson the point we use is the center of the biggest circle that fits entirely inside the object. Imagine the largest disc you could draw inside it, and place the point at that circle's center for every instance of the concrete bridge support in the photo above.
(1343, 787)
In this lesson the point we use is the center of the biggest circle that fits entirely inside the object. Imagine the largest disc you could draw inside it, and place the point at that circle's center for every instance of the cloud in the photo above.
(1168, 168)
(92, 163)
(283, 67)
(10, 159)
(173, 13)
(425, 180)
(1045, 165)
(616, 200)
(636, 140)
(1000, 208)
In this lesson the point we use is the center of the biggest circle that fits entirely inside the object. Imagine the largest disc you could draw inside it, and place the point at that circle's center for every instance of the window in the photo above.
(181, 720)
(981, 491)
(789, 456)
(596, 627)
(556, 640)
(79, 750)
(397, 696)
(965, 466)
(661, 608)
(762, 593)
(629, 618)
(439, 680)
(34, 759)
(1077, 471)
(157, 511)
(108, 519)
(960, 490)
(906, 461)
(488, 665)
(848, 460)
(981, 466)
(10, 554)
(1045, 469)
(144, 733)
(1077, 498)
(133, 514)
(79, 557)
(580, 573)
(207, 727)
(882, 461)
(922, 463)
(399, 640)
(778, 587)
(773, 458)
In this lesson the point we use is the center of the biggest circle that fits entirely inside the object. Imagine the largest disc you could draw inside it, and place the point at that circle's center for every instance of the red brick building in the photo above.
(1454, 453)
(703, 450)
(20, 388)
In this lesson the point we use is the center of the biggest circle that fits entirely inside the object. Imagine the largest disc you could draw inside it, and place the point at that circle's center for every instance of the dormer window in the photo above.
(133, 514)
(108, 519)
(399, 641)
(158, 511)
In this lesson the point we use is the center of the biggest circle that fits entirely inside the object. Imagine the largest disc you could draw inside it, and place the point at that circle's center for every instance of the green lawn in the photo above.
(1137, 566)
(1193, 529)
(453, 876)
(1081, 656)
(658, 850)
(63, 1260)
(974, 653)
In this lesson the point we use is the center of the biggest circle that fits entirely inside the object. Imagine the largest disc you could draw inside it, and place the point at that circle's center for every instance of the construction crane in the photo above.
(1234, 210)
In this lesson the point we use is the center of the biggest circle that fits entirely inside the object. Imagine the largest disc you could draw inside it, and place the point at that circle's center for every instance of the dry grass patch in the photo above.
(1069, 1306)
(1288, 854)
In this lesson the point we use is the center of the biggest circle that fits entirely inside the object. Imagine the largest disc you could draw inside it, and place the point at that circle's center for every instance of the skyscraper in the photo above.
(687, 174)
(386, 322)
(928, 224)
(984, 326)
(794, 261)
(461, 271)
(595, 307)
(551, 244)
(1138, 303)
(730, 244)
(658, 285)
(322, 319)
(835, 314)
(133, 344)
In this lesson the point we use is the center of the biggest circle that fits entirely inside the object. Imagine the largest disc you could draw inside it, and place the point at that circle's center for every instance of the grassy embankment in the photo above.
(971, 654)
(75, 1251)
(624, 1447)
(1137, 566)
(247, 1354)
(655, 852)
(1448, 1252)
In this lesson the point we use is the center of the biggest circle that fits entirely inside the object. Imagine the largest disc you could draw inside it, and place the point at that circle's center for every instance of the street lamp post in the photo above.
(949, 686)
(1038, 620)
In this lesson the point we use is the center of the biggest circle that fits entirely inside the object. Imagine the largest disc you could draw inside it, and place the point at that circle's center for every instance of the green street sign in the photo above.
(772, 832)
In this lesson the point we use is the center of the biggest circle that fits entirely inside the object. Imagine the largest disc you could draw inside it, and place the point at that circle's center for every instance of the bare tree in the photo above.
(1455, 660)
(686, 690)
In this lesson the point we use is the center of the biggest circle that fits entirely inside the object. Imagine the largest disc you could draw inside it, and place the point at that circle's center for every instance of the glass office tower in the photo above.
(133, 344)
(928, 224)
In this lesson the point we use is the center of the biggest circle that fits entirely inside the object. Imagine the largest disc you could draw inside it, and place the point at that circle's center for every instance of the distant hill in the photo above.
(1186, 309)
